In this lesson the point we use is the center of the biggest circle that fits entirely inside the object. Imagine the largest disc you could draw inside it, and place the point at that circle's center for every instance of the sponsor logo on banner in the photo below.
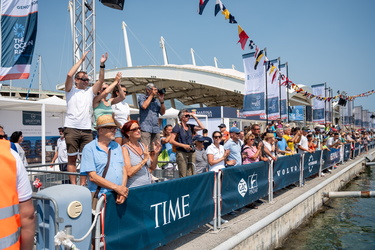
(347, 151)
(171, 211)
(287, 170)
(311, 162)
(242, 187)
(334, 155)
(253, 183)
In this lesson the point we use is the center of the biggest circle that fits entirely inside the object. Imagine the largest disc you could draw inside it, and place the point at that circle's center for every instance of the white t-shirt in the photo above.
(62, 155)
(331, 141)
(121, 112)
(217, 153)
(23, 183)
(303, 143)
(269, 147)
(79, 108)
(21, 153)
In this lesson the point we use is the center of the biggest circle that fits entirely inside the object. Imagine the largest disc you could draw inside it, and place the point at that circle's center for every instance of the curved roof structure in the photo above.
(189, 84)
(204, 85)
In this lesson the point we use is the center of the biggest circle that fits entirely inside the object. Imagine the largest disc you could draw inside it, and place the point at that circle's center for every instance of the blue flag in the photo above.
(19, 20)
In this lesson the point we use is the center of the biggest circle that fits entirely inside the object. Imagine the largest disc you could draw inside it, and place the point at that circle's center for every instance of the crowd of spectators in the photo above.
(123, 153)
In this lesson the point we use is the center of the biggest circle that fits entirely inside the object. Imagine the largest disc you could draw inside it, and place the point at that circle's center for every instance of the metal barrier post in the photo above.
(321, 163)
(301, 167)
(43, 238)
(219, 201)
(98, 236)
(270, 181)
(215, 201)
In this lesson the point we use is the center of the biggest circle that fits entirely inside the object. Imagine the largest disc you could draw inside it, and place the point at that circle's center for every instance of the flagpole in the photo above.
(287, 90)
(278, 59)
(325, 106)
(331, 104)
(266, 100)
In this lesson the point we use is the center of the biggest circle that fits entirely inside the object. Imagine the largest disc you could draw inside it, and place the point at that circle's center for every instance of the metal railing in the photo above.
(43, 174)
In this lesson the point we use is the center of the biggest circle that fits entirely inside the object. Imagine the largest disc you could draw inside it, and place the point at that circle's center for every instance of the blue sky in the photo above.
(323, 41)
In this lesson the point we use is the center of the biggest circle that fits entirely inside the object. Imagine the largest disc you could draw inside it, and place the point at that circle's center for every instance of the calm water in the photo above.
(347, 223)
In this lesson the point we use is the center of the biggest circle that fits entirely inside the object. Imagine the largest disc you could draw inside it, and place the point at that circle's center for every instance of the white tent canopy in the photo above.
(51, 104)
(172, 113)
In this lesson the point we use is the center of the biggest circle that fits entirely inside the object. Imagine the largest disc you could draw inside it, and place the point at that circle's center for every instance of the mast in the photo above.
(127, 48)
(192, 56)
(162, 45)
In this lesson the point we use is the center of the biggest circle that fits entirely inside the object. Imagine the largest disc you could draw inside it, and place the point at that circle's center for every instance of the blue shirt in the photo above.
(281, 143)
(148, 118)
(235, 151)
(94, 159)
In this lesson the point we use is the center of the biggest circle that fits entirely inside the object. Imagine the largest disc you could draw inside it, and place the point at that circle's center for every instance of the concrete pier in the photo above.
(267, 226)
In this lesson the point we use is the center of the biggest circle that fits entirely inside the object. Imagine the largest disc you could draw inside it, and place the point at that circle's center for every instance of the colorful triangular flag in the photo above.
(232, 19)
(219, 6)
(243, 37)
(226, 13)
(259, 57)
(202, 5)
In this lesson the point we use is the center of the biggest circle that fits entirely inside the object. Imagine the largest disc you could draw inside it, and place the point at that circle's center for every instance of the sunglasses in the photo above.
(217, 137)
(84, 79)
(126, 92)
(187, 116)
(251, 139)
(135, 129)
(110, 128)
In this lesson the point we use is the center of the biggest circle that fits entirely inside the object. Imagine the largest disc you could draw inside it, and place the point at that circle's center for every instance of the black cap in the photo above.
(222, 125)
(198, 138)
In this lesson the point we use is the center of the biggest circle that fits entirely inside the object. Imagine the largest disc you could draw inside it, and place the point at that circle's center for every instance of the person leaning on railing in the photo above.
(104, 153)
(250, 153)
(138, 161)
(291, 141)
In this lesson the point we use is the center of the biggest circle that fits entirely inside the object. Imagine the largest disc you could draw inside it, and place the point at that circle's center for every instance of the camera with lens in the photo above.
(162, 91)
(192, 147)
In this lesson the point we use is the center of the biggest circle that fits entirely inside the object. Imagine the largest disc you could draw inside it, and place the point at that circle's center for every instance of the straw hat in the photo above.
(270, 135)
(105, 121)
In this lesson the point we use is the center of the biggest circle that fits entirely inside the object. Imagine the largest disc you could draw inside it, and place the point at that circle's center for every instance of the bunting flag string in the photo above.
(290, 85)
(259, 54)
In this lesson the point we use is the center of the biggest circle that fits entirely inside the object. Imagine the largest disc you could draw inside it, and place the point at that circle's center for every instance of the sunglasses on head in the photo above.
(135, 129)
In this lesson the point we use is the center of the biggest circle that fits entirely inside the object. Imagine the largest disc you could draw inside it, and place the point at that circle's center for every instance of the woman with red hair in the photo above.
(138, 162)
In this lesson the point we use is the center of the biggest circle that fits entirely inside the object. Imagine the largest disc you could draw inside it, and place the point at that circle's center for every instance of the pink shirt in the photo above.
(251, 151)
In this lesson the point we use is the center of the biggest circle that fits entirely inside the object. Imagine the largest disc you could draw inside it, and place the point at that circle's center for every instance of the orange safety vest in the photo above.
(10, 221)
